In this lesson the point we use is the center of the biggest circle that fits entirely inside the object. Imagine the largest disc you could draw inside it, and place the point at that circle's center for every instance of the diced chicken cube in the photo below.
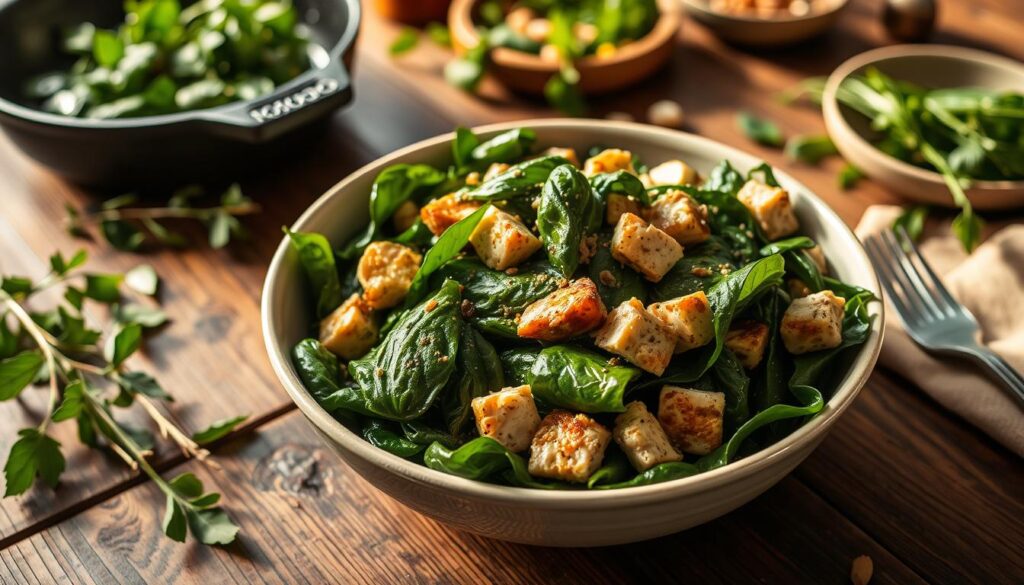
(405, 216)
(494, 170)
(692, 419)
(818, 257)
(609, 161)
(502, 241)
(508, 416)
(771, 208)
(747, 339)
(688, 318)
(386, 270)
(568, 446)
(568, 154)
(673, 172)
(679, 216)
(644, 248)
(633, 333)
(350, 330)
(618, 205)
(443, 212)
(813, 323)
(642, 439)
(566, 312)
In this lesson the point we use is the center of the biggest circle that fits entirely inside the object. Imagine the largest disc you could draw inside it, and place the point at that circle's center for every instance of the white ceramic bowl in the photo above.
(754, 31)
(560, 518)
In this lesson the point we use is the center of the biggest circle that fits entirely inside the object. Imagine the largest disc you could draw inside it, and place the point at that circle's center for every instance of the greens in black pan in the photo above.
(518, 319)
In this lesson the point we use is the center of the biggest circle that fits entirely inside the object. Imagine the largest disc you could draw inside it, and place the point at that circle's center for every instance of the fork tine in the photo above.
(917, 288)
(952, 305)
(911, 299)
(910, 317)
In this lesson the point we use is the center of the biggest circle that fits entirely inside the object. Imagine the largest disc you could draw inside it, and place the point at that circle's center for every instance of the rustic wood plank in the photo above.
(307, 518)
(937, 493)
(211, 353)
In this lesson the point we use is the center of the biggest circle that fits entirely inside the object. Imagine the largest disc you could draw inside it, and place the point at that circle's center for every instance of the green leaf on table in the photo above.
(73, 402)
(848, 176)
(317, 260)
(103, 287)
(439, 33)
(759, 130)
(967, 227)
(143, 383)
(912, 220)
(142, 279)
(18, 371)
(220, 229)
(175, 525)
(148, 317)
(406, 40)
(187, 485)
(218, 429)
(211, 526)
(33, 454)
(810, 149)
(126, 342)
(122, 235)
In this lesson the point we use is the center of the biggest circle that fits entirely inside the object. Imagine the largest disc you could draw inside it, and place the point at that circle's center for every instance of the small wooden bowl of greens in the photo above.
(561, 52)
(938, 124)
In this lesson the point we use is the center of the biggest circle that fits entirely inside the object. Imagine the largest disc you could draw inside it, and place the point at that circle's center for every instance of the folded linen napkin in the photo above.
(990, 283)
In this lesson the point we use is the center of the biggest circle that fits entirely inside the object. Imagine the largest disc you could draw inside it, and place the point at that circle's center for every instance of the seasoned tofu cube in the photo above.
(673, 172)
(692, 419)
(642, 439)
(566, 312)
(609, 161)
(386, 270)
(813, 323)
(509, 416)
(747, 339)
(568, 446)
(443, 212)
(350, 330)
(688, 318)
(618, 205)
(771, 208)
(568, 154)
(679, 216)
(494, 170)
(502, 241)
(405, 216)
(818, 257)
(644, 248)
(633, 333)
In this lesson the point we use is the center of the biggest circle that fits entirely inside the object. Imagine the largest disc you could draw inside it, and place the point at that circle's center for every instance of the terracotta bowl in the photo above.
(527, 73)
(560, 518)
(763, 32)
(930, 66)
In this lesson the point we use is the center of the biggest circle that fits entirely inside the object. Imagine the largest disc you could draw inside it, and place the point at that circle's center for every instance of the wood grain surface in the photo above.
(927, 497)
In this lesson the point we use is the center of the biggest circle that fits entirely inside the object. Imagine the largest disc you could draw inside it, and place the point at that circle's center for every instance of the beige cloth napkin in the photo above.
(990, 283)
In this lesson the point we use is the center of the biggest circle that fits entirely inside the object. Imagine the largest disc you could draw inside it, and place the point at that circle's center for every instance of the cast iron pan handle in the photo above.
(286, 108)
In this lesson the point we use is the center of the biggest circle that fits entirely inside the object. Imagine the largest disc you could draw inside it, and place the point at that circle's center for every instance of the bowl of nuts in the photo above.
(766, 23)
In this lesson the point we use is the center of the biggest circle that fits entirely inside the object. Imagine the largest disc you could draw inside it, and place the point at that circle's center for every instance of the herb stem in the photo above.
(248, 208)
(169, 430)
(51, 362)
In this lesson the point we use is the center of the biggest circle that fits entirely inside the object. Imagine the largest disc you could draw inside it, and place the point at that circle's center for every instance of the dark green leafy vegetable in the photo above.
(620, 182)
(407, 372)
(615, 283)
(848, 176)
(481, 459)
(570, 377)
(480, 373)
(569, 211)
(322, 376)
(317, 262)
(447, 247)
(383, 436)
(521, 180)
(810, 149)
(759, 130)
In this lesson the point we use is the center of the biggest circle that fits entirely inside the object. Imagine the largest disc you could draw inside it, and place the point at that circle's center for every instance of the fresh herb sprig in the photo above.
(88, 378)
(128, 228)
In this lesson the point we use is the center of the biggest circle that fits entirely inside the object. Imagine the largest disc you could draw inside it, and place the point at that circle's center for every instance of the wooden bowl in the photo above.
(764, 32)
(930, 66)
(528, 73)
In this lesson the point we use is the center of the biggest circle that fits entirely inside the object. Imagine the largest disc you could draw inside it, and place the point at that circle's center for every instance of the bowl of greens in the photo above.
(940, 125)
(512, 339)
(563, 50)
(161, 88)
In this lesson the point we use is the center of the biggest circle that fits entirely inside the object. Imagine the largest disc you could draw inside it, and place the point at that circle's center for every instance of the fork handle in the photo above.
(1002, 371)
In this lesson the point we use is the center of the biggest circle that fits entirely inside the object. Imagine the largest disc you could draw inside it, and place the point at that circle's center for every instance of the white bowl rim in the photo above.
(830, 104)
(847, 390)
(702, 7)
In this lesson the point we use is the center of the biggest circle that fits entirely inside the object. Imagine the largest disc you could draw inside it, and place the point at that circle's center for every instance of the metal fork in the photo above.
(932, 317)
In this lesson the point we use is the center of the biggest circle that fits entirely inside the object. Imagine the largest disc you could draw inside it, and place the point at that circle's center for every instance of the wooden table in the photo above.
(927, 497)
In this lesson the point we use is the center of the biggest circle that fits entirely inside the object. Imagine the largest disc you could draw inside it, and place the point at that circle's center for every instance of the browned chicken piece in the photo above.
(444, 212)
(567, 312)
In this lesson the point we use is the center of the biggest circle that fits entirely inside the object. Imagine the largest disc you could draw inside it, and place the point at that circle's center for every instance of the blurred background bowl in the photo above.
(181, 146)
(931, 66)
(765, 32)
(528, 73)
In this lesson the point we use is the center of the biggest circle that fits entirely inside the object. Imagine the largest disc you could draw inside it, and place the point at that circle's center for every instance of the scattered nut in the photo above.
(619, 117)
(666, 113)
(860, 572)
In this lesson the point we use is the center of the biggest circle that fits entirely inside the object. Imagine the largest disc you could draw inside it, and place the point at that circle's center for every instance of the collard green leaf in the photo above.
(463, 145)
(18, 371)
(657, 474)
(730, 377)
(218, 429)
(406, 373)
(321, 375)
(620, 182)
(318, 263)
(33, 454)
(482, 458)
(496, 294)
(569, 210)
(699, 269)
